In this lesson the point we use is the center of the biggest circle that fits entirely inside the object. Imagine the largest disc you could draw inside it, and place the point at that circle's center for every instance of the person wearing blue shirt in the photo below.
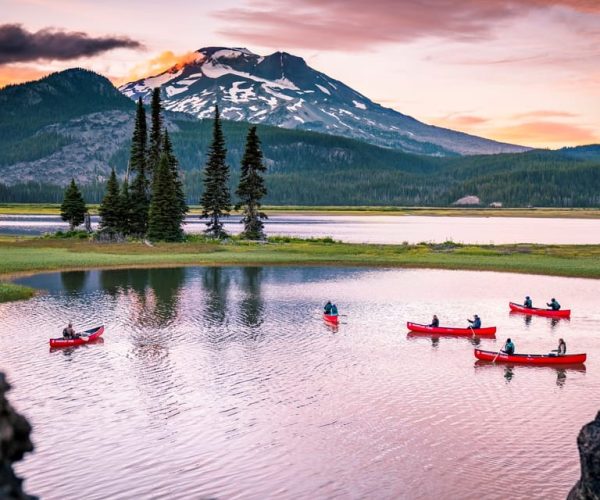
(509, 347)
(554, 305)
(528, 302)
(334, 310)
(327, 308)
(475, 322)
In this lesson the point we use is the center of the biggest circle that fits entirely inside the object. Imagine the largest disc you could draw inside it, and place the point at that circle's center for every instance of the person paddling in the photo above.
(327, 308)
(554, 305)
(475, 322)
(562, 348)
(334, 310)
(435, 322)
(528, 302)
(509, 347)
(69, 332)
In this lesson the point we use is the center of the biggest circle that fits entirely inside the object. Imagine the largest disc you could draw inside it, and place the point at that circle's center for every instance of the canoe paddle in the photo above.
(494, 360)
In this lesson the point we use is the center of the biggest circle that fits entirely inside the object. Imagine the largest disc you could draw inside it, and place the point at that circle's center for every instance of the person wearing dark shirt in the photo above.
(528, 302)
(475, 322)
(554, 305)
(435, 322)
(509, 347)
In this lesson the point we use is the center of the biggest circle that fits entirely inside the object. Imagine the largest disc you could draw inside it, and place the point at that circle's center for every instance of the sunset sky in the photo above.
(520, 71)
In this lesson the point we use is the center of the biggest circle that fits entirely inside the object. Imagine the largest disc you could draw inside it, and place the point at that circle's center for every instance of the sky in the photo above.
(519, 71)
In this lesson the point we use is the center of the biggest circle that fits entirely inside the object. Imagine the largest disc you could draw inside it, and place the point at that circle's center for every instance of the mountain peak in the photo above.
(281, 89)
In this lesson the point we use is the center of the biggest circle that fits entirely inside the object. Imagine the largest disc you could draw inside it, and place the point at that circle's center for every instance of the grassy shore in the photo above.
(563, 213)
(30, 255)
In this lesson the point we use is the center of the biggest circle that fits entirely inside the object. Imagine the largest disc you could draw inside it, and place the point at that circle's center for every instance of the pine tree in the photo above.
(167, 149)
(73, 207)
(137, 159)
(165, 214)
(139, 196)
(154, 150)
(252, 189)
(216, 200)
(110, 208)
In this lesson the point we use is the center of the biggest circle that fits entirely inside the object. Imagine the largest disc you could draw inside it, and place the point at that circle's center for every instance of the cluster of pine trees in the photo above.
(216, 197)
(154, 205)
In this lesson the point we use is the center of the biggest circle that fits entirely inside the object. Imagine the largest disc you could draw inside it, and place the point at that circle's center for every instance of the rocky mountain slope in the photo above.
(282, 90)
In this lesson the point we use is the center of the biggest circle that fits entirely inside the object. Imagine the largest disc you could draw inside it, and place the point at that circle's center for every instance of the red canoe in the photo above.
(564, 313)
(331, 319)
(531, 359)
(86, 337)
(441, 330)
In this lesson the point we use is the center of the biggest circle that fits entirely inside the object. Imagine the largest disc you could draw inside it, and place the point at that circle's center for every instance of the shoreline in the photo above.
(27, 256)
(536, 213)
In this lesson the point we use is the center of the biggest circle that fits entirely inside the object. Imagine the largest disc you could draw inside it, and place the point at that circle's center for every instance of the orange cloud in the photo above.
(159, 64)
(19, 74)
(453, 121)
(542, 133)
(545, 113)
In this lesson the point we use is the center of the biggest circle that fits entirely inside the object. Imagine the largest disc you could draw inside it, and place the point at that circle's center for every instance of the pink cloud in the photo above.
(356, 25)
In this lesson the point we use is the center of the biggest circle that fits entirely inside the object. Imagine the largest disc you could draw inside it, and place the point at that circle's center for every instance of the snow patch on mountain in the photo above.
(323, 89)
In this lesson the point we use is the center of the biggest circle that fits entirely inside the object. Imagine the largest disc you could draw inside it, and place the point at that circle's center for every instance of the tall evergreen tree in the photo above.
(165, 217)
(139, 195)
(216, 199)
(73, 207)
(139, 141)
(252, 189)
(110, 208)
(154, 150)
(167, 150)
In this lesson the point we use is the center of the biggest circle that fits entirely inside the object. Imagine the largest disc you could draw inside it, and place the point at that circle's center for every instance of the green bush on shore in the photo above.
(10, 292)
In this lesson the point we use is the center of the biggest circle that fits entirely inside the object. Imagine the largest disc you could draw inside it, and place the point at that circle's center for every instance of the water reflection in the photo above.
(508, 370)
(216, 283)
(74, 281)
(252, 305)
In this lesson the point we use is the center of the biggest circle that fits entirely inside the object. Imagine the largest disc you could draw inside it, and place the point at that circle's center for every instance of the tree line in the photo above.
(151, 203)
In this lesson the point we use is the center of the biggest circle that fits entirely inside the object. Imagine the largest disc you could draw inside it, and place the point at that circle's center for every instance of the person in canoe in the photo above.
(435, 322)
(475, 322)
(554, 305)
(69, 332)
(334, 310)
(327, 308)
(562, 348)
(509, 347)
(528, 303)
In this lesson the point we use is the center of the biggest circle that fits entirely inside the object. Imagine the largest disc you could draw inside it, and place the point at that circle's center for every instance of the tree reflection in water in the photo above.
(73, 281)
(252, 305)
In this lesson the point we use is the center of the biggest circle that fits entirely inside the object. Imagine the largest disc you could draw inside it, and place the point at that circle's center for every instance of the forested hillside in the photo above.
(306, 168)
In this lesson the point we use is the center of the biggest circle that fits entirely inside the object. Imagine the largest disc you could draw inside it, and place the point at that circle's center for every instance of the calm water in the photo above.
(225, 382)
(378, 229)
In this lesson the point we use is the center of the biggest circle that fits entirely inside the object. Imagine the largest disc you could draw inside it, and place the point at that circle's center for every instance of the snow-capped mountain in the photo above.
(282, 90)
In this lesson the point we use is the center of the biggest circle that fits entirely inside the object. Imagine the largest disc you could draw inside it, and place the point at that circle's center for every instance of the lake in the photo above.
(390, 229)
(226, 383)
